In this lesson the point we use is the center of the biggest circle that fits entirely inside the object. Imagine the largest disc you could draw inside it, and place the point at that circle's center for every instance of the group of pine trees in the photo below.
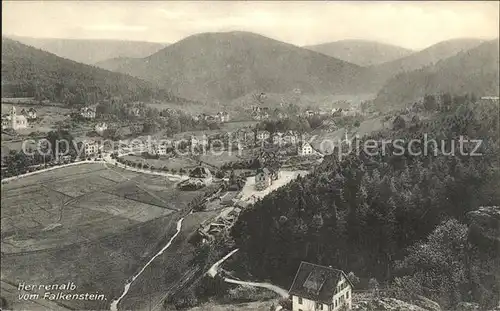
(365, 213)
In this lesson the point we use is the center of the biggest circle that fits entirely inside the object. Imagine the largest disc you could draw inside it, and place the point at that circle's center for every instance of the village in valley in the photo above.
(237, 160)
(223, 171)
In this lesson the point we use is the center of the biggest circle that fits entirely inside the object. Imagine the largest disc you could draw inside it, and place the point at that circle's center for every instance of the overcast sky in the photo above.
(413, 25)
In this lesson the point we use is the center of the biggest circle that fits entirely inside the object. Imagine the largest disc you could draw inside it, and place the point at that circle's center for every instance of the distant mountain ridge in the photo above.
(432, 54)
(91, 51)
(361, 52)
(224, 66)
(380, 74)
(31, 72)
(470, 71)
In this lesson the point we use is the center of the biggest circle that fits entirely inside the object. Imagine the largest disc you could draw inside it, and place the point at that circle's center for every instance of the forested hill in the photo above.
(363, 213)
(471, 71)
(28, 72)
(227, 65)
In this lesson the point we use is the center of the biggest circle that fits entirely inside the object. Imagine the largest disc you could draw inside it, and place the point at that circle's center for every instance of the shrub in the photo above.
(248, 293)
(353, 278)
(219, 174)
(286, 303)
(186, 300)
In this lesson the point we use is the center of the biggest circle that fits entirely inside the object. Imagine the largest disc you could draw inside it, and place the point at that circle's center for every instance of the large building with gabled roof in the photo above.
(318, 287)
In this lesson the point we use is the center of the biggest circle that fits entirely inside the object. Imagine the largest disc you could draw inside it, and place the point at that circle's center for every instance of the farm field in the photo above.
(77, 224)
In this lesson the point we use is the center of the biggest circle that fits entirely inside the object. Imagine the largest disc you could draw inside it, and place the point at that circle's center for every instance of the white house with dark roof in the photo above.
(305, 149)
(318, 287)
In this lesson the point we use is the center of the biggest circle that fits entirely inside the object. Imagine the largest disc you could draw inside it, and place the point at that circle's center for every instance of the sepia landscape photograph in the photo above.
(250, 156)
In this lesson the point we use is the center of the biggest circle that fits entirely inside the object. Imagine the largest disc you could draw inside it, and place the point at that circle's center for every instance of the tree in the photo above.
(398, 123)
(374, 286)
(439, 262)
(60, 140)
(353, 278)
(429, 102)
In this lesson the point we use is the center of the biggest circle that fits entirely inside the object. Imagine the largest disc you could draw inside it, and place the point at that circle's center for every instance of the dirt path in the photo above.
(212, 272)
(48, 169)
(282, 292)
(214, 269)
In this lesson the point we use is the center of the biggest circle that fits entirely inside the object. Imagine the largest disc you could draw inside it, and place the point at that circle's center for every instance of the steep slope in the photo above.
(361, 52)
(28, 72)
(91, 51)
(472, 71)
(224, 66)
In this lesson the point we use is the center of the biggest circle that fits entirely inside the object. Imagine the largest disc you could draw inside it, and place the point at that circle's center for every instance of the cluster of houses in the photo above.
(290, 138)
(219, 117)
(264, 113)
(15, 121)
(260, 113)
(239, 139)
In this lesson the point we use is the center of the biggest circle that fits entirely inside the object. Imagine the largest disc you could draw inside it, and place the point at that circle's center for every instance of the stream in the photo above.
(114, 304)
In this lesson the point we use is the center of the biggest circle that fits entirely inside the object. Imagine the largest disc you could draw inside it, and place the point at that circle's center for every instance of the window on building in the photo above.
(347, 295)
(319, 306)
(300, 300)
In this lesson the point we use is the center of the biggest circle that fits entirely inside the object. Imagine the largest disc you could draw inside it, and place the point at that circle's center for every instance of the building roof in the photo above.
(303, 144)
(315, 282)
(21, 117)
